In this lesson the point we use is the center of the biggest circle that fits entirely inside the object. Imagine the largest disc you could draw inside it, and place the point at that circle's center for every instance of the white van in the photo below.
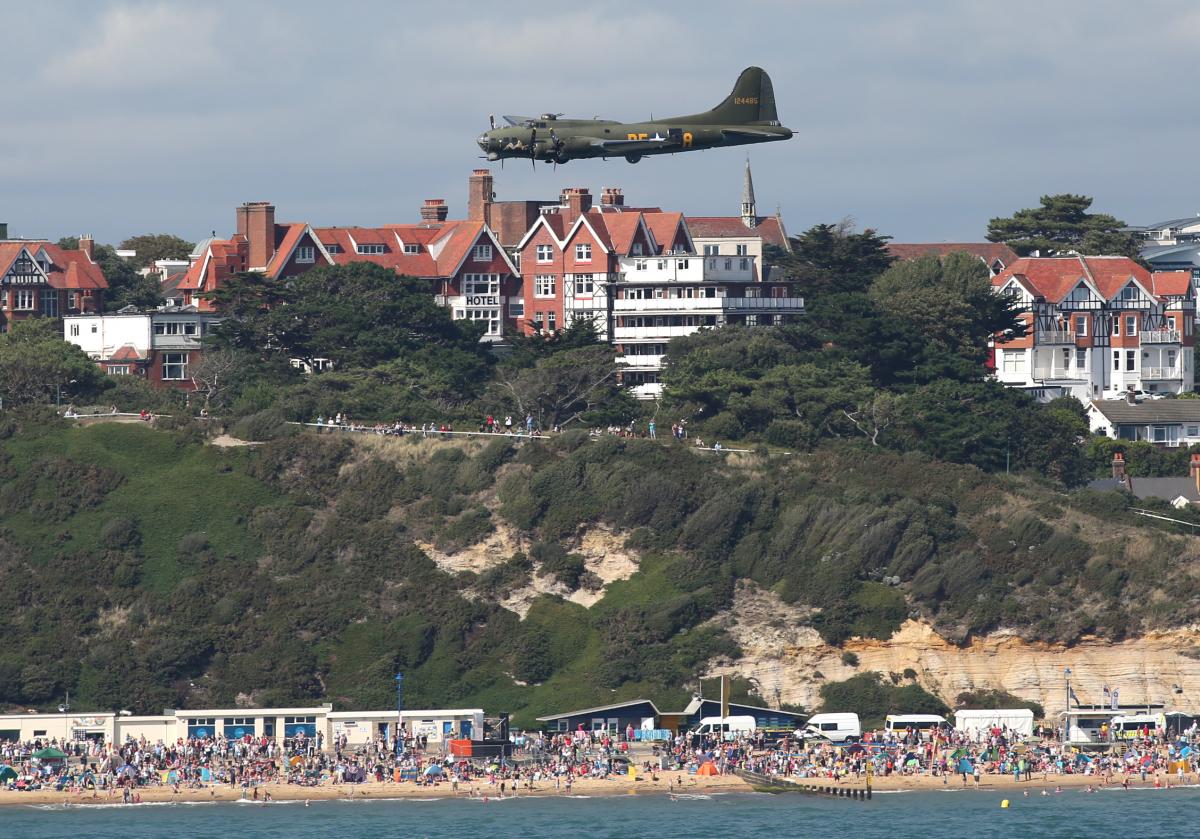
(730, 728)
(1129, 726)
(923, 723)
(836, 728)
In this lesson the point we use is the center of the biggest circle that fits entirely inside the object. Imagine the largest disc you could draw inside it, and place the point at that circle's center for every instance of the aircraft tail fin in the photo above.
(751, 101)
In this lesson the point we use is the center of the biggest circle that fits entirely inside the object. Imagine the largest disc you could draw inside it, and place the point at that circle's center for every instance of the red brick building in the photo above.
(40, 279)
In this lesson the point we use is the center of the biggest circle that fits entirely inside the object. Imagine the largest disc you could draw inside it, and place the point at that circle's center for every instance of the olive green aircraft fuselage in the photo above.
(746, 116)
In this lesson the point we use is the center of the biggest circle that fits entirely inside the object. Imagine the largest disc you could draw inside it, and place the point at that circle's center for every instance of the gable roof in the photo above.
(1166, 489)
(1055, 277)
(68, 269)
(1171, 283)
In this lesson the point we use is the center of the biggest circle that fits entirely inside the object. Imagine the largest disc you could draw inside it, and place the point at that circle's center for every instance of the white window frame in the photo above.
(482, 253)
(585, 285)
(583, 252)
(370, 249)
(544, 285)
(545, 253)
(167, 361)
(411, 248)
(24, 299)
(306, 254)
(1081, 326)
(1131, 325)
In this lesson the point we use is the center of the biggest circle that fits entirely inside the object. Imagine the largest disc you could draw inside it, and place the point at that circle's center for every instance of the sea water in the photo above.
(1127, 814)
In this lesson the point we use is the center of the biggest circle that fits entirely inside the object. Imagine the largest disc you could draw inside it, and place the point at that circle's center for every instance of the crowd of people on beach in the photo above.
(558, 760)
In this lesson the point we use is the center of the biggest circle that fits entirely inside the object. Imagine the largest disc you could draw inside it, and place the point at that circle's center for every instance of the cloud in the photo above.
(139, 46)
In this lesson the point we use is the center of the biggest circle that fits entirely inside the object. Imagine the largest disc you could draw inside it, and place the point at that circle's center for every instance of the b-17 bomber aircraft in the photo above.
(746, 116)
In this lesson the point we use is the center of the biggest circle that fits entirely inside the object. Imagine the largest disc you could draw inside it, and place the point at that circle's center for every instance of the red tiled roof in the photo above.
(1054, 278)
(283, 251)
(597, 223)
(70, 270)
(1171, 283)
(664, 227)
(622, 228)
(768, 228)
(989, 252)
(126, 353)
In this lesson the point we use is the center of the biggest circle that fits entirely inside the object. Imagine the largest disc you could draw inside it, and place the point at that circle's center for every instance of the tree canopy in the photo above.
(830, 258)
(151, 247)
(1062, 224)
(37, 365)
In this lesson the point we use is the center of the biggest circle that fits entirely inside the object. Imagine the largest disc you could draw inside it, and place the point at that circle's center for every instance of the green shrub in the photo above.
(262, 426)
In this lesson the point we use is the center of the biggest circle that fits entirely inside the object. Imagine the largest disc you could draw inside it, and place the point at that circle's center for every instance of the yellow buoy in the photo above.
(1004, 804)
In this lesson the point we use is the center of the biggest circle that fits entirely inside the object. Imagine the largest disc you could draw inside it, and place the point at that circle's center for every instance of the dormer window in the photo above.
(1129, 293)
(334, 248)
(369, 249)
(412, 248)
(483, 253)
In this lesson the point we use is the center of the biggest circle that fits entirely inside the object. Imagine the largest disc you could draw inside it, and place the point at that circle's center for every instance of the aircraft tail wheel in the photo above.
(633, 158)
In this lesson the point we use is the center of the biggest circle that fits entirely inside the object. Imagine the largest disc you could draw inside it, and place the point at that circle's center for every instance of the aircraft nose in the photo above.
(488, 143)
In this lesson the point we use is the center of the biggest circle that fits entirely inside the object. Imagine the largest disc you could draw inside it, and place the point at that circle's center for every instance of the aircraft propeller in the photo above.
(492, 121)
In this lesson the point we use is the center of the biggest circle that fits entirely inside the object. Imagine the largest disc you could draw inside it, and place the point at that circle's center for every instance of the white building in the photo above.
(160, 345)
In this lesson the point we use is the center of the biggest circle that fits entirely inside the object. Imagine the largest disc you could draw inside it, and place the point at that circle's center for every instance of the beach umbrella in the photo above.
(965, 766)
(707, 769)
(433, 769)
(7, 773)
(296, 761)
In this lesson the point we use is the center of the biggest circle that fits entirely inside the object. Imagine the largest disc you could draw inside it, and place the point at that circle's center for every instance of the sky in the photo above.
(921, 120)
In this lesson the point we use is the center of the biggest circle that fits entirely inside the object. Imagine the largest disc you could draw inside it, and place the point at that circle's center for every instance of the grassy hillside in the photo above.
(143, 569)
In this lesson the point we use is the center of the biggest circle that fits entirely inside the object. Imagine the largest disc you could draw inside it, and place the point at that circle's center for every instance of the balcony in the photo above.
(687, 268)
(1161, 336)
(1160, 374)
(1054, 336)
(1070, 374)
(712, 305)
(647, 333)
(641, 362)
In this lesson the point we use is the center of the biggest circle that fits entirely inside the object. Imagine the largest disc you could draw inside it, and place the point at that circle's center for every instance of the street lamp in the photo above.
(65, 709)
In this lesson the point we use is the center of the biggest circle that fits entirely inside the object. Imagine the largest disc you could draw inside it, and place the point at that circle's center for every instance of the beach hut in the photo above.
(707, 768)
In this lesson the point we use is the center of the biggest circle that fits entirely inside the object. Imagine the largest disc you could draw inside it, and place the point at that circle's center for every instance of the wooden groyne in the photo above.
(768, 783)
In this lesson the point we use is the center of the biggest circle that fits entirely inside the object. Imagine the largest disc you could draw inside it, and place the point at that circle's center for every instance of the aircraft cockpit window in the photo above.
(540, 125)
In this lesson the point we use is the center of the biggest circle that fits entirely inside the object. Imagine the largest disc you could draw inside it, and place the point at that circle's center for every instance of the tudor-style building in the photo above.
(1097, 327)
(639, 275)
(472, 274)
(40, 279)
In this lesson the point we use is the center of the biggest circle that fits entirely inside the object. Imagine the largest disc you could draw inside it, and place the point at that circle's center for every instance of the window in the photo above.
(639, 265)
(238, 727)
(1066, 358)
(1193, 431)
(584, 285)
(118, 369)
(1130, 360)
(743, 250)
(681, 264)
(543, 285)
(299, 726)
(1080, 358)
(636, 250)
(200, 728)
(712, 250)
(482, 253)
(1171, 322)
(370, 249)
(23, 299)
(1171, 359)
(1131, 325)
(74, 330)
(583, 253)
(729, 265)
(744, 264)
(545, 253)
(516, 308)
(550, 318)
(1130, 292)
(1116, 326)
(662, 265)
(751, 320)
(306, 254)
(538, 321)
(333, 248)
(476, 284)
(174, 366)
(50, 303)
(412, 248)
(1081, 326)
(491, 317)
(1013, 361)
(1116, 359)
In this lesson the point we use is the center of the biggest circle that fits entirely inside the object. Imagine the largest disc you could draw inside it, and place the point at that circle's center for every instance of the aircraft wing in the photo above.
(745, 134)
(618, 144)
(513, 120)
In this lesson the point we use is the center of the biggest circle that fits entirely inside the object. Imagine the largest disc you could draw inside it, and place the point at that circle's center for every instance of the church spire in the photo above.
(749, 212)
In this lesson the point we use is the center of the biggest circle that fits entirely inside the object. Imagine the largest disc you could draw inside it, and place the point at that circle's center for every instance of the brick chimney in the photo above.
(256, 221)
(1195, 470)
(3, 230)
(612, 197)
(88, 245)
(480, 195)
(576, 201)
(1118, 466)
(434, 210)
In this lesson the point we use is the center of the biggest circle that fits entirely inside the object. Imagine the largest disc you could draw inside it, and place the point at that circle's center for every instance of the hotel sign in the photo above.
(483, 300)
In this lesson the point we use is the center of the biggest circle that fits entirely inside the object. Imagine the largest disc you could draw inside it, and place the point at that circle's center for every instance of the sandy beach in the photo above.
(587, 787)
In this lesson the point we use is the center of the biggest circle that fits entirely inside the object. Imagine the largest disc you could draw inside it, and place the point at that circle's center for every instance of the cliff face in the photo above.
(790, 664)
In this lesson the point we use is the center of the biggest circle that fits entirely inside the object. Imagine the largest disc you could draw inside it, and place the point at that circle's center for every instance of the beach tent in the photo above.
(7, 773)
(50, 753)
(296, 761)
(965, 766)
(707, 769)
(433, 769)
